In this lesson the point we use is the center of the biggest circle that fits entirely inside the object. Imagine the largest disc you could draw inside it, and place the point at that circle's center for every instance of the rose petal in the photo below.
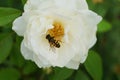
(65, 4)
(73, 64)
(38, 4)
(19, 26)
(72, 4)
(27, 53)
(90, 21)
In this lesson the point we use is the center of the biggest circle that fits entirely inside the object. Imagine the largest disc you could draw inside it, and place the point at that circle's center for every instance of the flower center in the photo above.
(55, 35)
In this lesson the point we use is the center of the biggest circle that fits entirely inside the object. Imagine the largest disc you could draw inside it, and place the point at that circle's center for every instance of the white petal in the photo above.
(41, 61)
(81, 4)
(64, 4)
(38, 4)
(72, 4)
(80, 57)
(27, 53)
(90, 21)
(65, 54)
(30, 55)
(73, 64)
(19, 26)
(90, 17)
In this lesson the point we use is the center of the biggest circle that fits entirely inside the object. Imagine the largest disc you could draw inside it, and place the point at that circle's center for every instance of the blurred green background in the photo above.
(103, 62)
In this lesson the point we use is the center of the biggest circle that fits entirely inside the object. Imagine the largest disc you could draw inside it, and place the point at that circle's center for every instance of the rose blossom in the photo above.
(57, 32)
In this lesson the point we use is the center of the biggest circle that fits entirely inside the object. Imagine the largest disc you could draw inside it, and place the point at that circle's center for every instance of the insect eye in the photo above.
(47, 36)
(58, 46)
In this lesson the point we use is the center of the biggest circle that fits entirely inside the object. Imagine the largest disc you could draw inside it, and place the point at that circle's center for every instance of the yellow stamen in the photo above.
(57, 31)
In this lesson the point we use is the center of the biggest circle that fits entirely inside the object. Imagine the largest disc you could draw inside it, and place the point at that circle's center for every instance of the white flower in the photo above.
(57, 32)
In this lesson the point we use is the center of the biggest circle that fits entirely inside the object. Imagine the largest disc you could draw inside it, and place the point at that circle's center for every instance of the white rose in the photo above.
(57, 32)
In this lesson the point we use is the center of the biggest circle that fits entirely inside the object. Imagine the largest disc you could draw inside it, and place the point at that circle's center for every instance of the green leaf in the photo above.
(9, 74)
(104, 26)
(100, 9)
(29, 68)
(81, 76)
(7, 15)
(5, 46)
(16, 57)
(23, 1)
(93, 65)
(62, 73)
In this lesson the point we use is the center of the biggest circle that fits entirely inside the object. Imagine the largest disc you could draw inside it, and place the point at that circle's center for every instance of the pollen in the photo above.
(57, 31)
